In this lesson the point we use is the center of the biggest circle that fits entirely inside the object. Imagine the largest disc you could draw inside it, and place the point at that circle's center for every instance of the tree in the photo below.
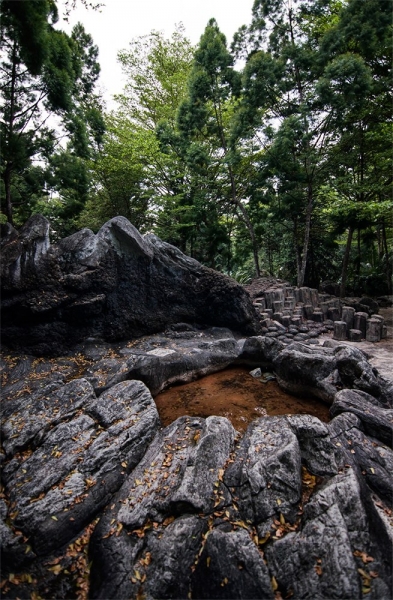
(58, 80)
(203, 124)
(281, 106)
(133, 175)
(356, 88)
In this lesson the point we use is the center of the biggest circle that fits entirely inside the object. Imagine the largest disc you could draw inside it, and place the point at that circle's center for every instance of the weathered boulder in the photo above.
(179, 476)
(266, 472)
(323, 371)
(376, 419)
(113, 285)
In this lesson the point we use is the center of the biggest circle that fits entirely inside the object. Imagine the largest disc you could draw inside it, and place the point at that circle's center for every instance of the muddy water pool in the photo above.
(235, 394)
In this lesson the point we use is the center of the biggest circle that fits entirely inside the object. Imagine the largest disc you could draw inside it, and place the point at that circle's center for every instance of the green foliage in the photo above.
(282, 166)
(58, 80)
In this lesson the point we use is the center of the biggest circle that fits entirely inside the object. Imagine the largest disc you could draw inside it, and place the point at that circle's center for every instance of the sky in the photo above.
(119, 21)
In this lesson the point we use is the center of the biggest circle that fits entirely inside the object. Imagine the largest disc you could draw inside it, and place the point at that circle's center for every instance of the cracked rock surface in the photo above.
(99, 500)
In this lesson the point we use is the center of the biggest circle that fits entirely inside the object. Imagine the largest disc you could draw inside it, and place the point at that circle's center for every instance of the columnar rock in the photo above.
(340, 331)
(360, 322)
(355, 335)
(113, 285)
(373, 332)
(347, 315)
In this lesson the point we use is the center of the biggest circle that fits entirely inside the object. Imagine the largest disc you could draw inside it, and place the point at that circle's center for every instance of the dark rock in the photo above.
(363, 304)
(335, 536)
(73, 466)
(162, 366)
(180, 474)
(266, 473)
(376, 419)
(231, 566)
(302, 370)
(114, 285)
(316, 447)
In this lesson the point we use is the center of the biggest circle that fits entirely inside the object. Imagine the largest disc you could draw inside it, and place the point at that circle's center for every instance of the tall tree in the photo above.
(57, 80)
(356, 89)
(132, 175)
(203, 122)
(280, 103)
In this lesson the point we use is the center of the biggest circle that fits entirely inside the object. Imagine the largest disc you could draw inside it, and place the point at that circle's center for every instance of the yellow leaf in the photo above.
(372, 470)
(363, 573)
(124, 464)
(54, 518)
(240, 524)
(278, 501)
(366, 589)
(138, 482)
(56, 569)
(282, 519)
(208, 561)
(264, 539)
(274, 583)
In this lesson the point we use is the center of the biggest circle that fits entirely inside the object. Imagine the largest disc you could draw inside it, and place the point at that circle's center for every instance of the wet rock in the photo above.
(377, 420)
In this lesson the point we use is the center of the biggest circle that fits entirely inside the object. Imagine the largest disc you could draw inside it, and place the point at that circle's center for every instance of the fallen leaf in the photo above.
(274, 583)
(263, 540)
(56, 569)
(364, 556)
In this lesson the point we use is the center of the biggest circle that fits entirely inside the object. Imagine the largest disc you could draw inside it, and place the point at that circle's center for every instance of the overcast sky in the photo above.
(119, 21)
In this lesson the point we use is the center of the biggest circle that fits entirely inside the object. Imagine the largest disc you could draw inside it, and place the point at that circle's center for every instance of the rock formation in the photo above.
(113, 285)
(291, 507)
(99, 500)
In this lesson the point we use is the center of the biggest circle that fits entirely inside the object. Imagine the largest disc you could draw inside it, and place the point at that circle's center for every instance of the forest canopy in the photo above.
(267, 154)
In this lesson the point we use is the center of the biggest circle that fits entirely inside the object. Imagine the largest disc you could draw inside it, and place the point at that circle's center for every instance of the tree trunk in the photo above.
(9, 163)
(7, 186)
(344, 271)
(306, 239)
(297, 253)
(247, 221)
(386, 254)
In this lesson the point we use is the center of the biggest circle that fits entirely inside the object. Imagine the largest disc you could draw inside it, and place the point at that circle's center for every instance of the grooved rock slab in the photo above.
(70, 469)
(266, 472)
